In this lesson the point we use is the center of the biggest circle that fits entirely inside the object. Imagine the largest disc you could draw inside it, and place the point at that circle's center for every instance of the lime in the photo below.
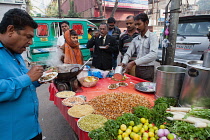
(132, 134)
(120, 131)
(119, 137)
(170, 136)
(143, 120)
(123, 127)
(131, 123)
(126, 138)
(128, 131)
(162, 127)
(135, 129)
(130, 127)
(136, 137)
(151, 134)
(124, 135)
(145, 127)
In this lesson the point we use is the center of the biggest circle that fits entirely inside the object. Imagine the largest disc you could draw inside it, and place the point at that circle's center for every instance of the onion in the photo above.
(166, 132)
(163, 138)
(161, 133)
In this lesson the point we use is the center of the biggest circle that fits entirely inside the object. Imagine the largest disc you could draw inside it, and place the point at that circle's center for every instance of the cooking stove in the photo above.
(67, 84)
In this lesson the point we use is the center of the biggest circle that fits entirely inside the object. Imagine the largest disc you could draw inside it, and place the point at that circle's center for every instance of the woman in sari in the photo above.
(72, 53)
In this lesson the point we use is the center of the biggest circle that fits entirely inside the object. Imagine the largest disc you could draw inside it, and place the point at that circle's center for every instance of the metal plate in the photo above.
(145, 86)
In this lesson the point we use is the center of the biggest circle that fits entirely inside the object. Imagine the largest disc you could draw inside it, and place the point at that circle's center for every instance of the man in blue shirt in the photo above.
(18, 98)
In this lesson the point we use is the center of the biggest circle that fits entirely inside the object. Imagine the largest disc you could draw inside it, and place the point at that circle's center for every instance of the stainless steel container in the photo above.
(169, 80)
(206, 59)
(196, 86)
(119, 73)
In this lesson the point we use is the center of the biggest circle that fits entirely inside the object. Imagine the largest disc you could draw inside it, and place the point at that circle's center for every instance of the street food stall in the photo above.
(107, 108)
(100, 89)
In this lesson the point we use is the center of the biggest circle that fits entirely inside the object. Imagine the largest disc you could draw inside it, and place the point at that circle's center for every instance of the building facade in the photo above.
(5, 5)
(90, 9)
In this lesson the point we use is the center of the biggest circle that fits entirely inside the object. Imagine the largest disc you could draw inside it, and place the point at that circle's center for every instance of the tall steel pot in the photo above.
(169, 81)
(196, 87)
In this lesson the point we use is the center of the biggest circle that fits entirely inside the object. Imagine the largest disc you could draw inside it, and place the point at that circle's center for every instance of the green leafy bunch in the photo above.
(110, 129)
(187, 131)
(157, 114)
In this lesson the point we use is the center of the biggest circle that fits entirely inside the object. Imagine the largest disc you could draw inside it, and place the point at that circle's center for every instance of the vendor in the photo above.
(146, 46)
(72, 53)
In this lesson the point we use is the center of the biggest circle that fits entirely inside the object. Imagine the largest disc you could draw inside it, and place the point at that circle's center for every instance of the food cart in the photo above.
(102, 89)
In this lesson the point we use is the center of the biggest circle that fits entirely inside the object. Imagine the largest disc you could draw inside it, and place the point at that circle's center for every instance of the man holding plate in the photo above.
(18, 97)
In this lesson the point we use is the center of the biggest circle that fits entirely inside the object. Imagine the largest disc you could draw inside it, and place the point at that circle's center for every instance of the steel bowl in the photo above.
(145, 86)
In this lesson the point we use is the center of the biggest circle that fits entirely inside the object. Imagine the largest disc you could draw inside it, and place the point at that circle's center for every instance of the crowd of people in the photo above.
(136, 46)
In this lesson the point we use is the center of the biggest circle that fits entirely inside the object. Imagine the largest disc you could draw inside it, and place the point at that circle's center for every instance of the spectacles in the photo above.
(111, 25)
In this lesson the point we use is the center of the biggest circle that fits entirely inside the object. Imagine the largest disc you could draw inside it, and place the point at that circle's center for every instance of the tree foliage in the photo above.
(52, 9)
(204, 5)
(100, 7)
(114, 9)
(72, 12)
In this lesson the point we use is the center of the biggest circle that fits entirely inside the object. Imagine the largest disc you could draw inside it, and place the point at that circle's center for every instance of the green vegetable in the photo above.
(157, 114)
(200, 113)
(169, 101)
(110, 129)
(98, 134)
(188, 132)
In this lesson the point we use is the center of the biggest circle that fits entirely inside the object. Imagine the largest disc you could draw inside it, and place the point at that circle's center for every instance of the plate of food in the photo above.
(113, 86)
(48, 76)
(65, 94)
(123, 79)
(79, 111)
(122, 84)
(146, 86)
(91, 122)
(74, 100)
(102, 47)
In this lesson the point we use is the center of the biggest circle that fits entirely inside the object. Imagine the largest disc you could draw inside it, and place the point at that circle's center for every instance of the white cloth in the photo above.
(60, 40)
(146, 48)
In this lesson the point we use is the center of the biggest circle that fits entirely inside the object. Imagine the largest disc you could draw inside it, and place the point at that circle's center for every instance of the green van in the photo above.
(47, 33)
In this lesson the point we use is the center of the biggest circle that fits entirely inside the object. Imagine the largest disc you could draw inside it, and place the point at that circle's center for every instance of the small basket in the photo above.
(88, 84)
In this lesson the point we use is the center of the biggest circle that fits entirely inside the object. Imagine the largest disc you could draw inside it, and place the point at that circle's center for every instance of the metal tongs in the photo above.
(86, 63)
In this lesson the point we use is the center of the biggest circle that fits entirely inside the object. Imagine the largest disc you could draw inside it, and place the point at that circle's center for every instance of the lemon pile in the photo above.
(143, 131)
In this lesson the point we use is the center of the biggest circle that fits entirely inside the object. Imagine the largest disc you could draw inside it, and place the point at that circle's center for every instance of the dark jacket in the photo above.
(102, 58)
(116, 33)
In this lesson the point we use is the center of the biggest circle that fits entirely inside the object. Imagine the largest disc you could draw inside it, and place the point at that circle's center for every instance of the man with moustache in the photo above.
(18, 97)
(127, 36)
(146, 46)
(64, 27)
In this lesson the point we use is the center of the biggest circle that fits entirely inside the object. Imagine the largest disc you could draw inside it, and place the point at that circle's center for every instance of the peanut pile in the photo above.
(113, 105)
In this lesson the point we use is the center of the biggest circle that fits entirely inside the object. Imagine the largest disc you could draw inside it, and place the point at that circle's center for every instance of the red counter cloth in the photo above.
(100, 88)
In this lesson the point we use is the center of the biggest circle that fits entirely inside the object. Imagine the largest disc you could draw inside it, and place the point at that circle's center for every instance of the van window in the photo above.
(78, 28)
(42, 30)
(55, 29)
(194, 28)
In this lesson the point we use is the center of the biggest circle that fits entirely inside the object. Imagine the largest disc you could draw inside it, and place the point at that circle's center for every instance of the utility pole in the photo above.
(59, 9)
(174, 19)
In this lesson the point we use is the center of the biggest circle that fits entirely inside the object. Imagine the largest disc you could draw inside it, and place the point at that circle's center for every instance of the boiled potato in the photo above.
(89, 79)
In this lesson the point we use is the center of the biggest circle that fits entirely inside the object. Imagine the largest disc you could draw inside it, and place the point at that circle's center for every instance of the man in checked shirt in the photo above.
(146, 46)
